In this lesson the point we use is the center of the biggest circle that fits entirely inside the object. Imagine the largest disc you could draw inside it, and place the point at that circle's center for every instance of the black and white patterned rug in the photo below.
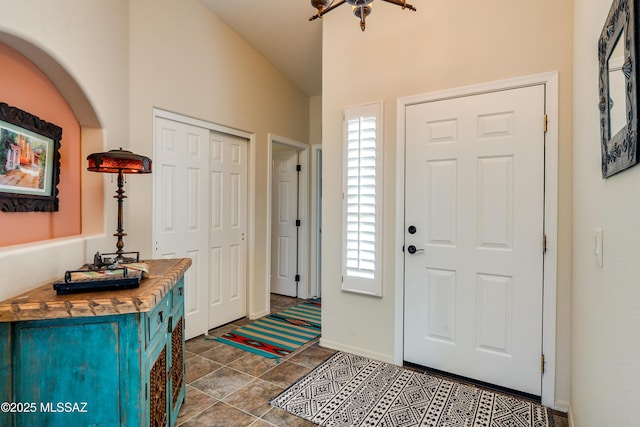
(350, 390)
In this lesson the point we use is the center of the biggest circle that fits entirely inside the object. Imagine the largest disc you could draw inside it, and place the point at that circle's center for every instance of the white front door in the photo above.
(474, 212)
(200, 212)
(284, 232)
(228, 229)
(181, 210)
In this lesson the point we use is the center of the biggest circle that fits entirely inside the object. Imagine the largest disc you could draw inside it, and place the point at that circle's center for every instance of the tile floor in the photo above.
(232, 388)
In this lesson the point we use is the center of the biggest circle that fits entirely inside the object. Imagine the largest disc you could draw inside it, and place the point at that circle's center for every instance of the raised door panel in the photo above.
(494, 322)
(441, 190)
(441, 294)
(56, 367)
(495, 200)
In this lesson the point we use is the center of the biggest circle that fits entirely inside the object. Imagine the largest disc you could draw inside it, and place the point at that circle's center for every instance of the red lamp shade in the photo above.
(115, 161)
(120, 162)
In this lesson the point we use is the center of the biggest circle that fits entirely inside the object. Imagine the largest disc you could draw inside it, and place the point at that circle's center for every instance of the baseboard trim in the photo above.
(254, 316)
(570, 417)
(387, 358)
(561, 406)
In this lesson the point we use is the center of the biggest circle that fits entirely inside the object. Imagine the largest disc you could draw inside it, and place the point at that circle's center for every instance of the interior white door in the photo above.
(474, 262)
(228, 228)
(181, 210)
(284, 232)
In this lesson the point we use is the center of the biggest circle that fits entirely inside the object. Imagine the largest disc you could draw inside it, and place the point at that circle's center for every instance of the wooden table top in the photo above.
(44, 303)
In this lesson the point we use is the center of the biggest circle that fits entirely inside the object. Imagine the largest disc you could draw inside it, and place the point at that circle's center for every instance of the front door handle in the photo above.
(412, 249)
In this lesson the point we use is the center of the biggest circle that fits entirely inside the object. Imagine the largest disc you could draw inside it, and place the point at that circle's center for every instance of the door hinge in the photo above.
(298, 223)
(542, 363)
(544, 243)
(545, 119)
(298, 168)
(297, 278)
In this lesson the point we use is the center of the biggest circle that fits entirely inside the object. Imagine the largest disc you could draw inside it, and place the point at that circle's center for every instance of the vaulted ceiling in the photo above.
(282, 33)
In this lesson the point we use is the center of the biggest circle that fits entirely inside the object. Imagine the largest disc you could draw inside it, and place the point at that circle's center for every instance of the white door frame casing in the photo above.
(550, 80)
(250, 137)
(315, 263)
(304, 290)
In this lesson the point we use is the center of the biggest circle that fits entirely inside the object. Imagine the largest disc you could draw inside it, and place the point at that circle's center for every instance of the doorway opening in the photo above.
(550, 83)
(288, 218)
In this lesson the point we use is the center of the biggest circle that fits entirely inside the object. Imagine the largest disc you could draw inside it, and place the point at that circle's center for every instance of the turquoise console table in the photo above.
(113, 358)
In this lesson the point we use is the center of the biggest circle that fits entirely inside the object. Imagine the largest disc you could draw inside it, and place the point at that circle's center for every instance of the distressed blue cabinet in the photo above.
(105, 369)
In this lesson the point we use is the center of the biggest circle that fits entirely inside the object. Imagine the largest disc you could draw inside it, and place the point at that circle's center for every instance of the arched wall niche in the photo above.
(45, 88)
(30, 264)
(61, 78)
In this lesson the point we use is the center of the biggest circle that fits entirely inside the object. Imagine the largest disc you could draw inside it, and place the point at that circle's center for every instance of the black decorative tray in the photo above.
(98, 280)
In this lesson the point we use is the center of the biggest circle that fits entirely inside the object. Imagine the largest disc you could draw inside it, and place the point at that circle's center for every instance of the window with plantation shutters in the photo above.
(361, 199)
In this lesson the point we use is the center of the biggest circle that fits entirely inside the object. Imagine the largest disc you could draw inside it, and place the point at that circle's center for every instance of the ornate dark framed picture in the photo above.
(619, 77)
(29, 162)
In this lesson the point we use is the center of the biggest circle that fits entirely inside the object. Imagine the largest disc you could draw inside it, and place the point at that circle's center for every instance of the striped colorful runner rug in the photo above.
(278, 334)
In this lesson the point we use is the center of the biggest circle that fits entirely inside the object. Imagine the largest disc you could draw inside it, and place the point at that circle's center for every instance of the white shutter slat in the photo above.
(361, 217)
(361, 199)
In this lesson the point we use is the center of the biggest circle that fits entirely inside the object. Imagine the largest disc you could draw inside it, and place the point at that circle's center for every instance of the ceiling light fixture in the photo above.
(361, 8)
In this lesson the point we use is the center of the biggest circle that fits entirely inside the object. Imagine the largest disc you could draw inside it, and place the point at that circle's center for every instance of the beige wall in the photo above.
(123, 58)
(606, 313)
(442, 46)
(315, 120)
(183, 59)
